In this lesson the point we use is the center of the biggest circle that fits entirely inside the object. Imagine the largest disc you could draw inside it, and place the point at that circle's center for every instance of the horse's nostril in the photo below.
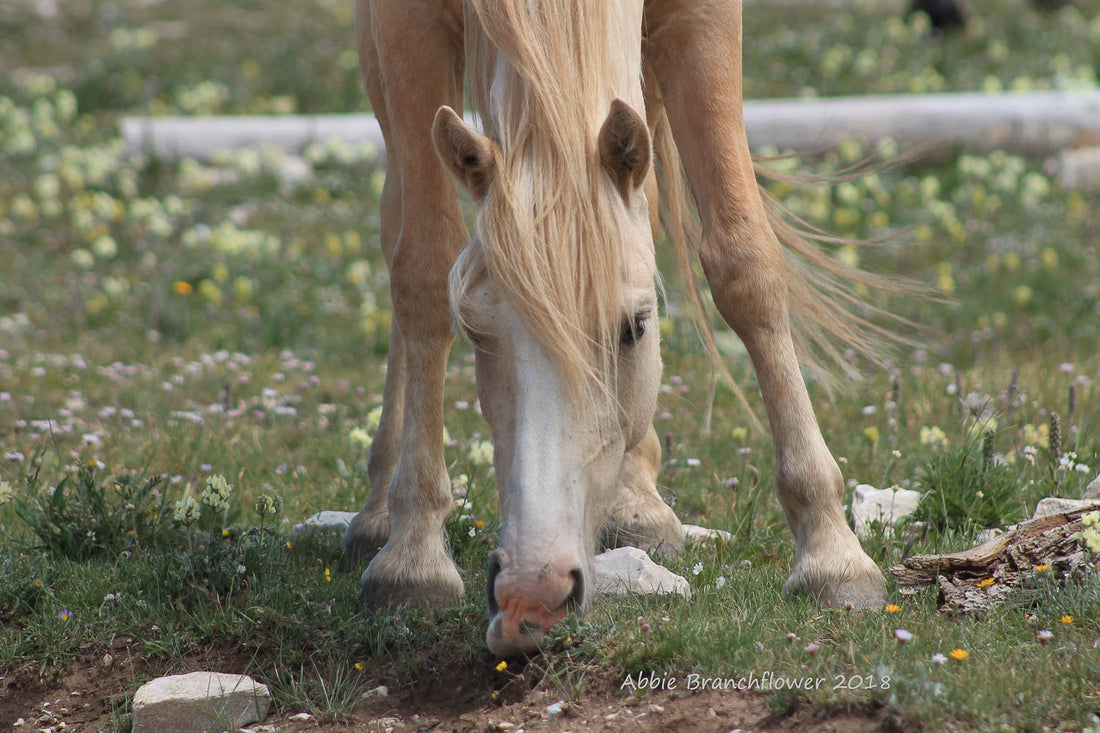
(575, 601)
(491, 585)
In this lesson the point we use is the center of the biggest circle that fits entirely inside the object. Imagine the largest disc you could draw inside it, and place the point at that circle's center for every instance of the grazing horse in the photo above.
(556, 291)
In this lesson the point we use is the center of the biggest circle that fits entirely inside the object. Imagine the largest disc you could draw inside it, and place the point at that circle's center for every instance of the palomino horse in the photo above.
(557, 291)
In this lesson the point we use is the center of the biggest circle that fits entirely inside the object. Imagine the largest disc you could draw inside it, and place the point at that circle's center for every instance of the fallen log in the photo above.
(1033, 123)
(1008, 567)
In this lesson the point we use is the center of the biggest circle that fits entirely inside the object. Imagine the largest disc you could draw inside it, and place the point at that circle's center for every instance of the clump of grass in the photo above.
(93, 514)
(967, 490)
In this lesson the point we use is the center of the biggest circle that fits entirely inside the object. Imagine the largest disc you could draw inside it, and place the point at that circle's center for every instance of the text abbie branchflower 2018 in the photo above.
(766, 681)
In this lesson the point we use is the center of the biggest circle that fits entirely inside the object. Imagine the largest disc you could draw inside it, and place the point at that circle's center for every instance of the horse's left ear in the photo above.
(467, 154)
(625, 147)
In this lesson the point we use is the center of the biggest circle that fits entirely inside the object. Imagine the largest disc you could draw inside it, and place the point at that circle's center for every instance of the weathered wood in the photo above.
(1035, 123)
(1002, 569)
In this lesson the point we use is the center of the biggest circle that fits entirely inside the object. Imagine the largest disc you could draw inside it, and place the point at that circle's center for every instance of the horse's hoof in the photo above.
(425, 589)
(365, 536)
(858, 586)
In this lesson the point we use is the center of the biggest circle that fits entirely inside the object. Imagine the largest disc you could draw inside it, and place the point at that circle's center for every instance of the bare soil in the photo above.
(91, 694)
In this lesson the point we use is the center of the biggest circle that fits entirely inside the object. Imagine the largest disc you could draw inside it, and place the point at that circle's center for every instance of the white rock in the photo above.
(556, 709)
(1092, 491)
(693, 533)
(199, 702)
(626, 570)
(887, 506)
(1051, 505)
(336, 522)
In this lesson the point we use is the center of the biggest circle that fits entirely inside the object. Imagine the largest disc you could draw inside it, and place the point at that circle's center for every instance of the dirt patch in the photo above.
(93, 694)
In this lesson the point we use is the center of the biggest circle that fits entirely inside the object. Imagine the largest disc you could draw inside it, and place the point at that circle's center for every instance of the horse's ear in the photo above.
(466, 153)
(624, 147)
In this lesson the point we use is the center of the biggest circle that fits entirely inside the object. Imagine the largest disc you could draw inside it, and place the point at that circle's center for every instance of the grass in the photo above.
(162, 323)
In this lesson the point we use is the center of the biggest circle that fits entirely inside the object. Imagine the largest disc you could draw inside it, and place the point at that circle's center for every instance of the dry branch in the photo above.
(1010, 560)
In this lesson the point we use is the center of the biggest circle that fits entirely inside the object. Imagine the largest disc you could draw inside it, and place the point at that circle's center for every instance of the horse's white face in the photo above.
(557, 458)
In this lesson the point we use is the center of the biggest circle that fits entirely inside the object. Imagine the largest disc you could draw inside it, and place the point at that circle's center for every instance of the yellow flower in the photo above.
(986, 582)
(1067, 619)
(181, 287)
(38, 582)
(288, 544)
(892, 608)
(328, 575)
(870, 434)
(1042, 568)
(959, 654)
(225, 533)
(502, 666)
(358, 665)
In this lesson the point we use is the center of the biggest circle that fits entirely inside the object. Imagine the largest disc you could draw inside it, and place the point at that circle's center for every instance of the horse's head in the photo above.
(557, 294)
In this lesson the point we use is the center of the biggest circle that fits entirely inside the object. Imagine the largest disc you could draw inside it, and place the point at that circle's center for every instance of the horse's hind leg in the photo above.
(695, 49)
(414, 65)
(370, 528)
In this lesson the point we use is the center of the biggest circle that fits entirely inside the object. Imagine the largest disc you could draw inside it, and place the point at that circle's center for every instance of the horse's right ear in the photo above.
(468, 155)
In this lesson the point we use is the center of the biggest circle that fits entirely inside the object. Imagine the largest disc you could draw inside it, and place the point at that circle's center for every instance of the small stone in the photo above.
(1080, 168)
(19, 723)
(1053, 505)
(200, 701)
(555, 709)
(324, 522)
(656, 708)
(378, 692)
(301, 717)
(888, 506)
(1092, 491)
(107, 661)
(694, 533)
(627, 570)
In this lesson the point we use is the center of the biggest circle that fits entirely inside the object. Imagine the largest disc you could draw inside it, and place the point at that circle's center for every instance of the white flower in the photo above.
(360, 438)
(217, 492)
(187, 511)
(903, 636)
(481, 453)
(720, 582)
(939, 659)
(6, 492)
(697, 568)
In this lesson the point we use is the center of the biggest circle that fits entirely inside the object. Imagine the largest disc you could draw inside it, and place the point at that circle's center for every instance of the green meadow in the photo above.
(192, 356)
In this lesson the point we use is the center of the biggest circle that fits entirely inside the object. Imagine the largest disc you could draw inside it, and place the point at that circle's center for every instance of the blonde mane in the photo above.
(542, 76)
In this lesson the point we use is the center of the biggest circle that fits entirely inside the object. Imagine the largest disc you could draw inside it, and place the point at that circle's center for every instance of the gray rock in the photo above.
(627, 570)
(1052, 505)
(1080, 168)
(335, 522)
(888, 506)
(1092, 491)
(200, 702)
(693, 533)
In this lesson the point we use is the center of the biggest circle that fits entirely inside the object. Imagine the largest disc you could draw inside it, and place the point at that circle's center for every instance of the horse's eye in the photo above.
(634, 328)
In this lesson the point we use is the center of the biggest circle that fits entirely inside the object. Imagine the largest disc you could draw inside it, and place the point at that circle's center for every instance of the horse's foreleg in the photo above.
(413, 65)
(639, 516)
(695, 50)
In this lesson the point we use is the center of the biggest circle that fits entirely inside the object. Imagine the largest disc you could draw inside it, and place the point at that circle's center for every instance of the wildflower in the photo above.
(720, 582)
(502, 666)
(811, 648)
(870, 434)
(65, 614)
(182, 287)
(5, 492)
(933, 437)
(358, 665)
(328, 575)
(187, 511)
(38, 582)
(472, 532)
(217, 492)
(1044, 636)
(360, 438)
(892, 608)
(373, 420)
(267, 505)
(792, 637)
(1067, 619)
(741, 434)
(1042, 568)
(938, 659)
(907, 592)
(481, 453)
(958, 654)
(986, 582)
(697, 568)
(903, 636)
(643, 624)
(287, 544)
